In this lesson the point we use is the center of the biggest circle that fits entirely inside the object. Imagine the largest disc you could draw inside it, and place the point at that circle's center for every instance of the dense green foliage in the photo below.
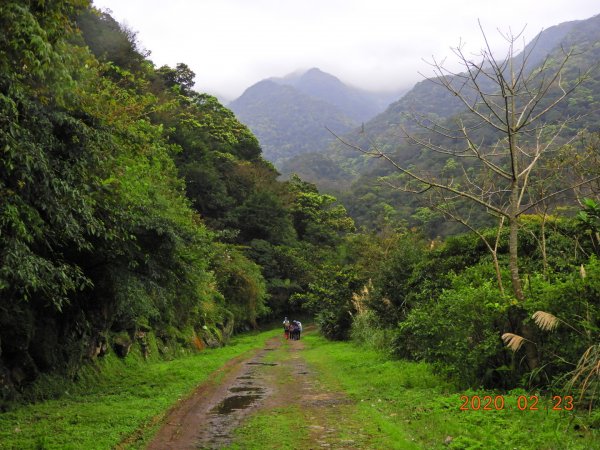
(440, 302)
(130, 202)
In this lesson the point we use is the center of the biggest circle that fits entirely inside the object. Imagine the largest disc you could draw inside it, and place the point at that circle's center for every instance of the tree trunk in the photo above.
(530, 348)
(498, 273)
(526, 330)
(544, 254)
(513, 258)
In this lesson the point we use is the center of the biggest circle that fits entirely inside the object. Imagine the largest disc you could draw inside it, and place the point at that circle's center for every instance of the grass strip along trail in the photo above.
(314, 394)
(357, 398)
(122, 404)
(406, 402)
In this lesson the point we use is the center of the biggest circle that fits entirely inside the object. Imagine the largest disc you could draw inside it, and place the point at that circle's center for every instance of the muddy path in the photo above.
(275, 376)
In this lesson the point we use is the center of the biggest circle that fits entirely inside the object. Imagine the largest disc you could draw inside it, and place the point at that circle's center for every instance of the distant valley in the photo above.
(289, 115)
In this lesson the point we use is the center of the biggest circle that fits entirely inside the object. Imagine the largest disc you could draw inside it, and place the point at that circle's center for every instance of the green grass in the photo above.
(277, 429)
(398, 404)
(290, 427)
(120, 399)
(414, 408)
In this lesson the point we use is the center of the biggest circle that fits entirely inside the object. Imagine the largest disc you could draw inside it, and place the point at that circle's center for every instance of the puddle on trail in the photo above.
(246, 389)
(245, 393)
(235, 403)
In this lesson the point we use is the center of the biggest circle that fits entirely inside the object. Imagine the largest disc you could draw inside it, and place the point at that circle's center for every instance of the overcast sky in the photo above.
(373, 44)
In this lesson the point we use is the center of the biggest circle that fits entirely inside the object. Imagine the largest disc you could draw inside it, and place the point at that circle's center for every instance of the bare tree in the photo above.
(501, 173)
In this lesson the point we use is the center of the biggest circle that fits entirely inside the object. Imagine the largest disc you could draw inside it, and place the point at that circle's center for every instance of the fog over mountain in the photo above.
(290, 114)
(352, 176)
(356, 103)
(375, 44)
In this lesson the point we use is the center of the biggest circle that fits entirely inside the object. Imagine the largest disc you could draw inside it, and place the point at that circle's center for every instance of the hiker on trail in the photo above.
(286, 327)
(295, 330)
(299, 324)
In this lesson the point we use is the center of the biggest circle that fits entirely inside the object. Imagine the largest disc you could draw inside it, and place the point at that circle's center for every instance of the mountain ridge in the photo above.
(427, 98)
(290, 114)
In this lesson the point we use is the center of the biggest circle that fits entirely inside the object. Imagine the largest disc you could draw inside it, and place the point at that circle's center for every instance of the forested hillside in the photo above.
(289, 115)
(517, 165)
(132, 207)
(287, 121)
(428, 101)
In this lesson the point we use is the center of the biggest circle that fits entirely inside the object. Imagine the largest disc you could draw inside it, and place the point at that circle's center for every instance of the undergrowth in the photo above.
(409, 402)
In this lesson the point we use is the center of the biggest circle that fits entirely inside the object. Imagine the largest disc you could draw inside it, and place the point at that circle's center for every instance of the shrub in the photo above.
(329, 297)
(460, 331)
(367, 331)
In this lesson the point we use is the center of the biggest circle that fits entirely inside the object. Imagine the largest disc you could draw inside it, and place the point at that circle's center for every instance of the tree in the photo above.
(316, 217)
(109, 40)
(181, 76)
(503, 142)
(329, 298)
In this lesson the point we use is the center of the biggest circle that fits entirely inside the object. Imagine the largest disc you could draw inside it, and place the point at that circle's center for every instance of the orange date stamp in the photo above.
(521, 403)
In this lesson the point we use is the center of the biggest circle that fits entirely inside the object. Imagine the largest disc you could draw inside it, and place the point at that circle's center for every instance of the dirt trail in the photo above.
(209, 417)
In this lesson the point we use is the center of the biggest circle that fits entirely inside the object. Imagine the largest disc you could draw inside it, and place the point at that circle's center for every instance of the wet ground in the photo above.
(244, 395)
(263, 382)
(207, 419)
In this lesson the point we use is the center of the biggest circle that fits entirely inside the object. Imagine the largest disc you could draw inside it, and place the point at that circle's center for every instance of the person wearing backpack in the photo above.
(293, 330)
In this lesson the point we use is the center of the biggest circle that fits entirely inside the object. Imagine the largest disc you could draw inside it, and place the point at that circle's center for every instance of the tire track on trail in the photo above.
(260, 383)
(208, 417)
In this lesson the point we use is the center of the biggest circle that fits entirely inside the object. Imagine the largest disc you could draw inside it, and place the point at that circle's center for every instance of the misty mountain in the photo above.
(428, 99)
(288, 115)
(357, 104)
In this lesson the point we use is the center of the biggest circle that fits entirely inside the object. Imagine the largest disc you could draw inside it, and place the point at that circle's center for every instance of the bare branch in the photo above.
(553, 194)
(416, 177)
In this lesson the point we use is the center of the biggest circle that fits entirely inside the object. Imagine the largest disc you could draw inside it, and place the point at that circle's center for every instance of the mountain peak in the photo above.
(317, 75)
(289, 114)
(315, 71)
(312, 70)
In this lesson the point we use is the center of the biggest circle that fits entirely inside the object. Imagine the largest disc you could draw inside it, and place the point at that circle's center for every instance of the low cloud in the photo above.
(374, 44)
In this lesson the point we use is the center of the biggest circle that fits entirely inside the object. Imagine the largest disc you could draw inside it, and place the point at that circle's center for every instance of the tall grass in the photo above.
(368, 332)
